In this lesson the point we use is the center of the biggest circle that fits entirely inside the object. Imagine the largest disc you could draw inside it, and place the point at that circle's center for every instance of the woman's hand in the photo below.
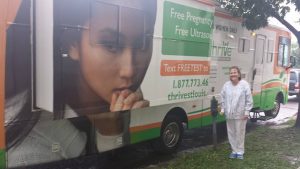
(246, 117)
(222, 112)
(126, 100)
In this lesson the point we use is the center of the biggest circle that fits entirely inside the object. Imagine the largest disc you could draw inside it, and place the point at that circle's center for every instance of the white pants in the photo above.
(236, 134)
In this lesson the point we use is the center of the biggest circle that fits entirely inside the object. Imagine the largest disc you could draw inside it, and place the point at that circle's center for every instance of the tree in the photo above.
(255, 14)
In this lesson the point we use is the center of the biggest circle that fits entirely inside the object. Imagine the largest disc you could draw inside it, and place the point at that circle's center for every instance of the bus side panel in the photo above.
(183, 59)
(275, 79)
(3, 12)
(268, 97)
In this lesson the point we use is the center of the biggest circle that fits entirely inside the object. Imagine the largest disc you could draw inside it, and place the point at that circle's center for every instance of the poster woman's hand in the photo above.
(126, 100)
(111, 123)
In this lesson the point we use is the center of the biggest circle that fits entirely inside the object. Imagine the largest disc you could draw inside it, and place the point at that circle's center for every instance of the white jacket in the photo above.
(236, 101)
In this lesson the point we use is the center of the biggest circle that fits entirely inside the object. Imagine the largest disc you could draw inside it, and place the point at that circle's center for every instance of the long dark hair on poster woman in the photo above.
(19, 117)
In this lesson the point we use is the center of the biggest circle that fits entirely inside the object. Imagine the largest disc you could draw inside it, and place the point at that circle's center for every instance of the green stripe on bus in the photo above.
(139, 136)
(268, 96)
(207, 120)
(194, 123)
(204, 121)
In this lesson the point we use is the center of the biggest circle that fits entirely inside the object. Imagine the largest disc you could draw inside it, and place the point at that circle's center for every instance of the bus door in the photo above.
(258, 68)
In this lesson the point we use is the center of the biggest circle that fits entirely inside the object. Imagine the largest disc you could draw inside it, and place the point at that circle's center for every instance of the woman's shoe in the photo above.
(232, 155)
(240, 156)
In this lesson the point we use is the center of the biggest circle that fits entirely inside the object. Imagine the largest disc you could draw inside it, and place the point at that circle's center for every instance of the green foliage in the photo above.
(296, 3)
(255, 13)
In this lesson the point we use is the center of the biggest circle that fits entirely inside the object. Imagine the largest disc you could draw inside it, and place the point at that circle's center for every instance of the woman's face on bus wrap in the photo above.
(114, 53)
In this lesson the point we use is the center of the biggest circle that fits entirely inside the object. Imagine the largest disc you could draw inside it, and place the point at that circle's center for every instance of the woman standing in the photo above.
(236, 104)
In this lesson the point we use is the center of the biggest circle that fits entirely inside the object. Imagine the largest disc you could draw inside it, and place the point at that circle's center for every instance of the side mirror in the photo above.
(292, 61)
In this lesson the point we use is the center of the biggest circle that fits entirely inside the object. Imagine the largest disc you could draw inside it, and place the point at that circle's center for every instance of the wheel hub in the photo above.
(171, 134)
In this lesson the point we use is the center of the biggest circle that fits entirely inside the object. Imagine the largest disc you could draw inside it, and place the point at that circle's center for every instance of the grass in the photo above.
(265, 148)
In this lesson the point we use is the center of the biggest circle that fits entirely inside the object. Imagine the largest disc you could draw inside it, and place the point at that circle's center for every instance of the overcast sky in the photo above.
(292, 17)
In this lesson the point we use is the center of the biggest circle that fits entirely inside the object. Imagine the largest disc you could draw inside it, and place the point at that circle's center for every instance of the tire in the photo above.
(274, 112)
(170, 135)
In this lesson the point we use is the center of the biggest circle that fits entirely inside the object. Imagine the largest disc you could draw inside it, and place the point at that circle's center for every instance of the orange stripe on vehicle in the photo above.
(8, 11)
(2, 69)
(184, 67)
(285, 87)
(145, 127)
(256, 93)
(276, 69)
(275, 84)
(199, 115)
(272, 84)
(279, 31)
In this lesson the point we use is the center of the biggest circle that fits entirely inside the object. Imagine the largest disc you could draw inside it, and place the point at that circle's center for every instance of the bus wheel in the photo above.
(274, 112)
(170, 135)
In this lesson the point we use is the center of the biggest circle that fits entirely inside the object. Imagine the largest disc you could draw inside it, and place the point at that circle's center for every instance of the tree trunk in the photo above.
(297, 124)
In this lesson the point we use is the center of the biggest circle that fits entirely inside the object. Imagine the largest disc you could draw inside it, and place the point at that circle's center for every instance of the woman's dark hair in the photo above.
(18, 66)
(238, 70)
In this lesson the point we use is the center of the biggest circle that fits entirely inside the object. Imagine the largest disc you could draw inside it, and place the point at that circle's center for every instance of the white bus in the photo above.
(82, 77)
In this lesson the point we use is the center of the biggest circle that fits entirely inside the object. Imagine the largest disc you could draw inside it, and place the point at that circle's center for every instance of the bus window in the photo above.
(283, 52)
(244, 45)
